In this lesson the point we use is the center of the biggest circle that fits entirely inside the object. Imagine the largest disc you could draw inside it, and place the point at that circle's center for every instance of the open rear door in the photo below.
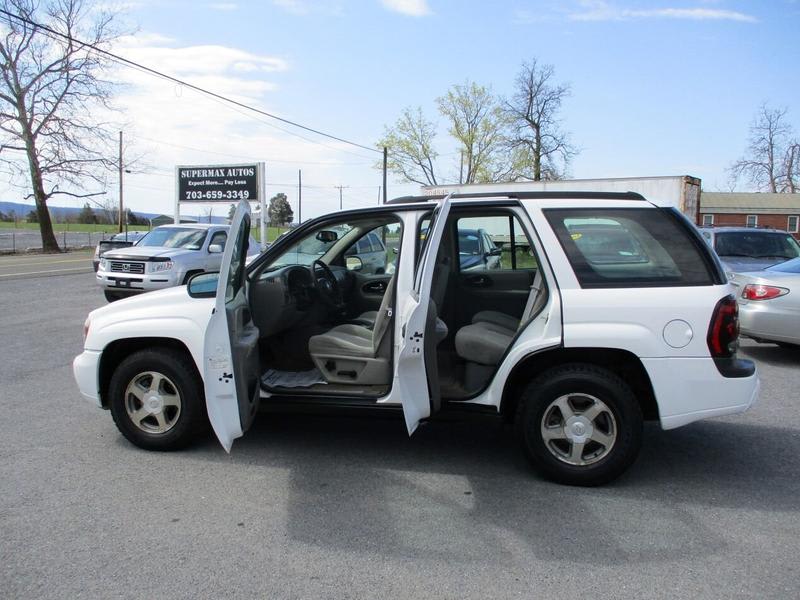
(230, 363)
(410, 376)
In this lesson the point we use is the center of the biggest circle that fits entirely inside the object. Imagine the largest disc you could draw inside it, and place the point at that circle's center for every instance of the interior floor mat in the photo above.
(292, 379)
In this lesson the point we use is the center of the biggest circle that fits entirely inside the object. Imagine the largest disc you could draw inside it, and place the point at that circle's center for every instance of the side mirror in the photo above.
(327, 236)
(203, 285)
(395, 250)
(215, 249)
(496, 251)
(353, 263)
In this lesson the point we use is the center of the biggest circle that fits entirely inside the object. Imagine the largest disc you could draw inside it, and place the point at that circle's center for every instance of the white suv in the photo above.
(605, 310)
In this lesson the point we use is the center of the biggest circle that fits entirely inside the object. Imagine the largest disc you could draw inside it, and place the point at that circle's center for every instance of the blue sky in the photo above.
(658, 88)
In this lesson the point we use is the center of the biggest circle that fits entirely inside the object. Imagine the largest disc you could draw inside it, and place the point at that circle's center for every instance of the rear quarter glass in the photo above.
(633, 247)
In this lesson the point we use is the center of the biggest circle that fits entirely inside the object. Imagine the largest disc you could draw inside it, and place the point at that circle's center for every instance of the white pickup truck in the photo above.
(167, 256)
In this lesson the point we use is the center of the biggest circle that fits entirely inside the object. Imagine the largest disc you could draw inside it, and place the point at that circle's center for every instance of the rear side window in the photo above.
(629, 247)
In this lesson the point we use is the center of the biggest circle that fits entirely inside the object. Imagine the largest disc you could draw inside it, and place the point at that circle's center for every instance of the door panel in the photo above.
(230, 364)
(411, 372)
(504, 291)
(368, 291)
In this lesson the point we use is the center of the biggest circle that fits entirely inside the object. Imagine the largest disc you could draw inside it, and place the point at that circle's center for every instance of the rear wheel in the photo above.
(157, 401)
(579, 424)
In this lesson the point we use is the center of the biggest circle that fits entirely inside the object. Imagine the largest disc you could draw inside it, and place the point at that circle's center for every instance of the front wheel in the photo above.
(157, 401)
(579, 424)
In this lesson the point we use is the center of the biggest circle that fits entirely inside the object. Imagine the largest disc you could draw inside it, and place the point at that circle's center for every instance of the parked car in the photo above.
(118, 240)
(167, 256)
(749, 249)
(769, 303)
(576, 351)
(477, 251)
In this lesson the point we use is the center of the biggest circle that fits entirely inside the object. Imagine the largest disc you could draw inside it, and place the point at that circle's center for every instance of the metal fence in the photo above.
(25, 240)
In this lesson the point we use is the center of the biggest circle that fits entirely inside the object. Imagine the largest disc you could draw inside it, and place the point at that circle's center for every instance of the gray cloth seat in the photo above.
(496, 317)
(348, 339)
(352, 353)
(483, 342)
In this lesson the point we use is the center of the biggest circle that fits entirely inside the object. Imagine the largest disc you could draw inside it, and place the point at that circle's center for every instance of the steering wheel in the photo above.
(326, 284)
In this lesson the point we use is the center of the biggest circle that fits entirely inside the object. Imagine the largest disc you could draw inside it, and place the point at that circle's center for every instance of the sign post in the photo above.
(262, 196)
(221, 184)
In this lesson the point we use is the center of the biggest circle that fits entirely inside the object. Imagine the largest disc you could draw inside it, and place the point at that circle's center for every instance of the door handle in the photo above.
(375, 288)
(479, 281)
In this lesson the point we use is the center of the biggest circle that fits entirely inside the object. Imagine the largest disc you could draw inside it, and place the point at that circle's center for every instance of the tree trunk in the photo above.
(537, 155)
(49, 243)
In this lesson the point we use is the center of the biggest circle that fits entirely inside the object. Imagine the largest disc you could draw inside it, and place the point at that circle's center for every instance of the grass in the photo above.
(272, 232)
(83, 227)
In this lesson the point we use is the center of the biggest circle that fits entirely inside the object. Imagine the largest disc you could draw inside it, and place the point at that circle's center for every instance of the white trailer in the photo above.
(680, 191)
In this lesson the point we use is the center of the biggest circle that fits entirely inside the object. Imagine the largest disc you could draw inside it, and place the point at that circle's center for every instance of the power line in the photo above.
(209, 93)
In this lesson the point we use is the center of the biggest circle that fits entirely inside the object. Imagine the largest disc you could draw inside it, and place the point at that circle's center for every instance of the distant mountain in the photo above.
(60, 212)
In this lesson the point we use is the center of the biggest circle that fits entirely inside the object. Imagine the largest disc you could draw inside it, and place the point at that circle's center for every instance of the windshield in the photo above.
(790, 266)
(310, 248)
(757, 244)
(175, 237)
(468, 243)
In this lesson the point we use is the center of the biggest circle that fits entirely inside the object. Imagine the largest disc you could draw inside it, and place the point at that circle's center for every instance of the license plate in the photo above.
(123, 283)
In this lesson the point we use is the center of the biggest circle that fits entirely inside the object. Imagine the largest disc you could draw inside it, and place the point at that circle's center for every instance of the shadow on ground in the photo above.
(462, 491)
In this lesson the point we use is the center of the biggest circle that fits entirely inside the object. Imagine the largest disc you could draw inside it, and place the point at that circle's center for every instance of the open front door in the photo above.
(410, 375)
(230, 363)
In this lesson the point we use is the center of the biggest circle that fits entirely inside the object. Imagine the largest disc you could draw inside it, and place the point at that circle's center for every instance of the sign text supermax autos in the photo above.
(221, 183)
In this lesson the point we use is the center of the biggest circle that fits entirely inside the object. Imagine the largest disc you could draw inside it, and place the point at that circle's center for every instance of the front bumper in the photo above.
(86, 369)
(137, 283)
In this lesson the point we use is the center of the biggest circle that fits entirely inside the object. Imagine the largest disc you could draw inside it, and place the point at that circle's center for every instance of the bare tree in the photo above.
(476, 123)
(533, 116)
(51, 92)
(771, 159)
(411, 152)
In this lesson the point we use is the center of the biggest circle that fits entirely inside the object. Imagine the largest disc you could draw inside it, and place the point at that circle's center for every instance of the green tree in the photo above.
(87, 215)
(477, 124)
(33, 217)
(280, 212)
(412, 155)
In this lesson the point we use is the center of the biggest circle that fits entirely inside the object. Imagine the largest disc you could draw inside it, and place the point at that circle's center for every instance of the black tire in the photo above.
(113, 296)
(582, 380)
(189, 423)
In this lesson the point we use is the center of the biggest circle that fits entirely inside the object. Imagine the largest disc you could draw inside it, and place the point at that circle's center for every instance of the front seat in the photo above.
(441, 273)
(356, 354)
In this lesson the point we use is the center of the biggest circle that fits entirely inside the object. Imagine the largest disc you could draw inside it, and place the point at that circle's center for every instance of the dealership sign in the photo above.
(218, 183)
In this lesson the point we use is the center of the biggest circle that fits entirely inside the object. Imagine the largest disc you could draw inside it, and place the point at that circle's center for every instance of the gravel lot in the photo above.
(351, 508)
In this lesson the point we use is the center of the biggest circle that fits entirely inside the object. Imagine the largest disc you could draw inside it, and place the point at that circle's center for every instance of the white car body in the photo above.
(665, 328)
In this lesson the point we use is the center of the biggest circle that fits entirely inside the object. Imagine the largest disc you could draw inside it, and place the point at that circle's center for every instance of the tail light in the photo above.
(753, 291)
(723, 332)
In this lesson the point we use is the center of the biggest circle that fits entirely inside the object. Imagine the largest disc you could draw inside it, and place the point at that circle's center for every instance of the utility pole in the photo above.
(299, 196)
(385, 161)
(121, 211)
(340, 188)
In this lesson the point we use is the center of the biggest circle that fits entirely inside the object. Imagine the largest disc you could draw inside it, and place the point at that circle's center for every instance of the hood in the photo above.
(161, 299)
(146, 252)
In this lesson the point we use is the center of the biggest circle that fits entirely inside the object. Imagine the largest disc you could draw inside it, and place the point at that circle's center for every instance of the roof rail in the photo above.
(522, 196)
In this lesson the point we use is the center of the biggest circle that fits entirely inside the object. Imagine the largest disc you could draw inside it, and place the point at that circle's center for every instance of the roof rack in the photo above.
(522, 196)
